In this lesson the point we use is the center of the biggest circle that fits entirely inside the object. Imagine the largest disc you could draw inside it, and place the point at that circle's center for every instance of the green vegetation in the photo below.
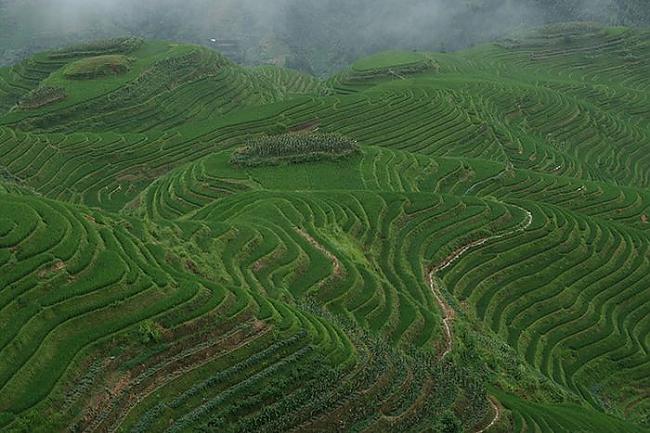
(391, 60)
(293, 148)
(41, 96)
(466, 249)
(291, 82)
(98, 48)
(97, 67)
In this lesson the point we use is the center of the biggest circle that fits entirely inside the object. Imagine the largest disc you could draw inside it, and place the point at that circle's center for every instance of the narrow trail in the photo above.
(390, 71)
(448, 314)
(336, 264)
(434, 281)
(497, 415)
(448, 311)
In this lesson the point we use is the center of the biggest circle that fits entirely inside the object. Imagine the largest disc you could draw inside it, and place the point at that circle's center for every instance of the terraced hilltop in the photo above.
(425, 242)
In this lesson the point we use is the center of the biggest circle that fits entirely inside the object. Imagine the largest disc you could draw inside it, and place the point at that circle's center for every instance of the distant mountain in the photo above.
(316, 36)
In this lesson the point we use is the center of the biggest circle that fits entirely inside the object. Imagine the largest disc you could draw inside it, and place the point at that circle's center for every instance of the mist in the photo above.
(317, 36)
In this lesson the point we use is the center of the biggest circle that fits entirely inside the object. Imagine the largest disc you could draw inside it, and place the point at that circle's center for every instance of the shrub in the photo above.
(293, 148)
(41, 97)
(449, 423)
(150, 332)
(96, 67)
(6, 418)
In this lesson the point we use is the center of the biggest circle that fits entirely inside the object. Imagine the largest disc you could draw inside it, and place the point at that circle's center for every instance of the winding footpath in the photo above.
(336, 264)
(497, 415)
(448, 311)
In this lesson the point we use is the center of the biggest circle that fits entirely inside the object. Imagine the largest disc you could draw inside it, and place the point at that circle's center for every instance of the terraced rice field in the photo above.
(481, 265)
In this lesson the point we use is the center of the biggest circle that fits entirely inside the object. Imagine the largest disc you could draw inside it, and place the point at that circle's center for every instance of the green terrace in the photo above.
(439, 242)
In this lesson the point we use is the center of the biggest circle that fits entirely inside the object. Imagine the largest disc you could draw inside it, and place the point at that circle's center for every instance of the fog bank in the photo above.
(314, 35)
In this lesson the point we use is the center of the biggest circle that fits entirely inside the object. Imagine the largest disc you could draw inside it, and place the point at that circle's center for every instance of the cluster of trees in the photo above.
(41, 96)
(293, 148)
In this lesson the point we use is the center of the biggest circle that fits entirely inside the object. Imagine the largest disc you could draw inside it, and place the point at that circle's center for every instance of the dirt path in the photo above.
(401, 77)
(448, 311)
(448, 314)
(336, 264)
(497, 415)
(434, 283)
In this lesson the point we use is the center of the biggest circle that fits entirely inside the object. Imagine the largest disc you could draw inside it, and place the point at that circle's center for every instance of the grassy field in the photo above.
(478, 261)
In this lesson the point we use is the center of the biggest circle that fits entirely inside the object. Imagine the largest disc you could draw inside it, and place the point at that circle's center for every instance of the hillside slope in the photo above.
(478, 263)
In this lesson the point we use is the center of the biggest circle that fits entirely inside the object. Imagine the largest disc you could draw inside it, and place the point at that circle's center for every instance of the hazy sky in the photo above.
(391, 16)
(332, 27)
